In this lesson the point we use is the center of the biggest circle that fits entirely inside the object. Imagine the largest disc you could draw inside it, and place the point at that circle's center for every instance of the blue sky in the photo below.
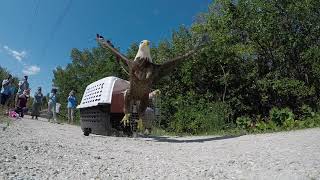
(36, 36)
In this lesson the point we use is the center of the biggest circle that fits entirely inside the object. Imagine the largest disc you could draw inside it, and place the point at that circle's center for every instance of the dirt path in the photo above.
(32, 149)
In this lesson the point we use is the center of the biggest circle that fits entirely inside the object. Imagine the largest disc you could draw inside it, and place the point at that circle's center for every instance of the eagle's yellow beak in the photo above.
(148, 43)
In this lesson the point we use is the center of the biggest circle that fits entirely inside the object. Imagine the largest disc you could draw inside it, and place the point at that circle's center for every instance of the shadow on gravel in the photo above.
(200, 140)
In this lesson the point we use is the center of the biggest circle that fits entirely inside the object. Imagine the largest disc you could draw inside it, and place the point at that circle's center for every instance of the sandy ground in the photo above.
(36, 149)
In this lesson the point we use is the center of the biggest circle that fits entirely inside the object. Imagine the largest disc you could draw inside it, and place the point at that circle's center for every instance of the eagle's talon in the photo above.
(125, 119)
(140, 124)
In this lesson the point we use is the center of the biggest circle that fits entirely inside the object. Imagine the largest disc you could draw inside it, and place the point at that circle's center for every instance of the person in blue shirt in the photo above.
(72, 103)
(6, 89)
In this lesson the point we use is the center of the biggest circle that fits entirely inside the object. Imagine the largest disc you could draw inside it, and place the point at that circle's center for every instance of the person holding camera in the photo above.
(6, 90)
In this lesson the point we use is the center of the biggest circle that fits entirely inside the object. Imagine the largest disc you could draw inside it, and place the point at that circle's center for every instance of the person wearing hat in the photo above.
(72, 103)
(23, 85)
(52, 104)
(36, 105)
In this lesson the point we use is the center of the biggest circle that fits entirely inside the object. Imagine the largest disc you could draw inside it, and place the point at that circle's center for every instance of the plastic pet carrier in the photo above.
(101, 107)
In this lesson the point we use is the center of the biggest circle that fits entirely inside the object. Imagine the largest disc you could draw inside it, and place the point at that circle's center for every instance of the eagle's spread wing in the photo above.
(165, 68)
(108, 45)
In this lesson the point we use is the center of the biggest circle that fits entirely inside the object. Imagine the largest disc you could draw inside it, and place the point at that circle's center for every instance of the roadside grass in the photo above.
(4, 119)
(161, 132)
(234, 131)
(279, 120)
(229, 132)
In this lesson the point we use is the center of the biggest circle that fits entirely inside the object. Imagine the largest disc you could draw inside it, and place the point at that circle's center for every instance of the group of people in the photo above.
(16, 100)
(52, 106)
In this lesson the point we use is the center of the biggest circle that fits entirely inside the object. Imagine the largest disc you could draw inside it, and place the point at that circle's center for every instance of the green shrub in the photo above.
(306, 111)
(300, 124)
(279, 116)
(312, 121)
(280, 119)
(272, 125)
(199, 117)
(244, 122)
(317, 119)
(261, 126)
(289, 123)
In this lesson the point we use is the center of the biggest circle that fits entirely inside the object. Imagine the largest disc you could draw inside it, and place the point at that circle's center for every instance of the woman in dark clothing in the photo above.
(22, 103)
(37, 101)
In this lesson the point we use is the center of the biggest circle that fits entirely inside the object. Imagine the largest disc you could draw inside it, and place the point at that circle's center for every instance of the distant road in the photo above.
(36, 149)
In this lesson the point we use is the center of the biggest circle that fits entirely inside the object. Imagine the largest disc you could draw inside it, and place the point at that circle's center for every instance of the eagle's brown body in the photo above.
(141, 78)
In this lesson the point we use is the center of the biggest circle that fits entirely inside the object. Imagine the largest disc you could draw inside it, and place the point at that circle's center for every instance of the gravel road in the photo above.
(36, 149)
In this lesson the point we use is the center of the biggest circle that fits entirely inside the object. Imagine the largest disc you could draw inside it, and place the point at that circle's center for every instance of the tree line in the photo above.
(261, 55)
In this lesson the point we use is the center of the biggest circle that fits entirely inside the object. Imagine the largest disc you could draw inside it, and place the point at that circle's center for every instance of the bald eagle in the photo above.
(143, 72)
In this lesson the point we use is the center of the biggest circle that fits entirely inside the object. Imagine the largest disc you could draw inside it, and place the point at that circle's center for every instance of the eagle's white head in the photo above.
(144, 50)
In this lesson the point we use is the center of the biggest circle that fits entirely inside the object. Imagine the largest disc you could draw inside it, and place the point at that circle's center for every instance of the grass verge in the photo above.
(229, 132)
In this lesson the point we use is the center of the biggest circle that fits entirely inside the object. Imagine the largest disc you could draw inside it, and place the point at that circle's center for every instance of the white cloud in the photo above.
(31, 70)
(16, 54)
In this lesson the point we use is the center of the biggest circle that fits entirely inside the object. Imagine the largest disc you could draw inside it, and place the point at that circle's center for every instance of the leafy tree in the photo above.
(260, 55)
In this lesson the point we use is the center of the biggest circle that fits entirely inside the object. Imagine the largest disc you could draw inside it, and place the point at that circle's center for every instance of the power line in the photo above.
(29, 29)
(56, 27)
